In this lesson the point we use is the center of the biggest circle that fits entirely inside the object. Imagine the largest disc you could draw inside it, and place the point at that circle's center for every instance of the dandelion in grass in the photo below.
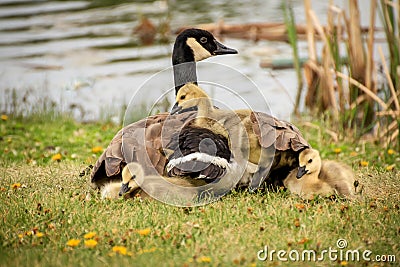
(337, 150)
(120, 250)
(144, 232)
(4, 117)
(97, 149)
(90, 243)
(73, 242)
(364, 163)
(39, 234)
(391, 151)
(147, 250)
(204, 259)
(343, 263)
(56, 157)
(89, 235)
(16, 185)
(390, 167)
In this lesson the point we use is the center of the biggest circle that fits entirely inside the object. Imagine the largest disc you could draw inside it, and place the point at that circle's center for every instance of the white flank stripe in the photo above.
(198, 156)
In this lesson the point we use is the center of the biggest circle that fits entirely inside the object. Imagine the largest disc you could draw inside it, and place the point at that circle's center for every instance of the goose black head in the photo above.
(195, 45)
(190, 46)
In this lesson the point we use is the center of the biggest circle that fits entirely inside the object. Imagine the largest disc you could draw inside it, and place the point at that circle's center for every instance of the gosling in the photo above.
(317, 177)
(162, 188)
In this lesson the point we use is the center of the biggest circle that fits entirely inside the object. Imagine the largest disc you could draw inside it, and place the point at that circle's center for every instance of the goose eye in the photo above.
(134, 177)
(183, 97)
(310, 160)
(203, 40)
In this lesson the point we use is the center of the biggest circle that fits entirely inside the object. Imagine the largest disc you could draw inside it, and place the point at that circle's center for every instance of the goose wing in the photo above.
(271, 131)
(142, 142)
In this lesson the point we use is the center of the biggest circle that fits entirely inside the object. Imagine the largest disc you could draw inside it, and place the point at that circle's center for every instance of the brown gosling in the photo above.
(317, 177)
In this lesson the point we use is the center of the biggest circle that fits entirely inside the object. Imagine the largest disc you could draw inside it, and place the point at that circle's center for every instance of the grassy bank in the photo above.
(44, 205)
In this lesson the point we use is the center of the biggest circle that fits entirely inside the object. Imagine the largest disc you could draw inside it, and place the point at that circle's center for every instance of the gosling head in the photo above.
(130, 172)
(309, 162)
(195, 45)
(189, 97)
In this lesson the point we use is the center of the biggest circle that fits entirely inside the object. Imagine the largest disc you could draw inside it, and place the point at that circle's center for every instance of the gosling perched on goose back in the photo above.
(317, 177)
(225, 139)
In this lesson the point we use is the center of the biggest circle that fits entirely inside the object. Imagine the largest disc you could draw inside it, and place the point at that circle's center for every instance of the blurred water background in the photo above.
(84, 57)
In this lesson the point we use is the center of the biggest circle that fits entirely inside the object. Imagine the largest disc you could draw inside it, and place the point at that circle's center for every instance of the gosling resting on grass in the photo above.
(317, 177)
(133, 178)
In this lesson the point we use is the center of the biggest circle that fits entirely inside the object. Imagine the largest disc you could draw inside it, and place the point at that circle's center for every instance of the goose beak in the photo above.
(301, 171)
(124, 189)
(223, 50)
(176, 108)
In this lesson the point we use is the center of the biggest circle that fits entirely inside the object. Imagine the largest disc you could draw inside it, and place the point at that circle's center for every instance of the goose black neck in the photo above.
(184, 65)
(184, 73)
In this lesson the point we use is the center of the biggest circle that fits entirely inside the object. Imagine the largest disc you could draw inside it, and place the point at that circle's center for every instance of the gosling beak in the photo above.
(223, 50)
(176, 108)
(124, 189)
(301, 171)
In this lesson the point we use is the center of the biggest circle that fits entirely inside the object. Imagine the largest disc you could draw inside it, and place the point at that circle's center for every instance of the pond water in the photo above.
(83, 56)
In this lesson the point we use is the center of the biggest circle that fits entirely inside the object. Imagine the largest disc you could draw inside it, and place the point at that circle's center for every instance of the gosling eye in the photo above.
(134, 176)
(310, 160)
(203, 40)
(183, 97)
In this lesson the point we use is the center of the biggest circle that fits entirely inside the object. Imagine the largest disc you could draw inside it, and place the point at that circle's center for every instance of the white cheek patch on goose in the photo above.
(199, 51)
(218, 161)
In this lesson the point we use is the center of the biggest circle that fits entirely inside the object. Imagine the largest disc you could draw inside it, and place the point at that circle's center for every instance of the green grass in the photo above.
(54, 200)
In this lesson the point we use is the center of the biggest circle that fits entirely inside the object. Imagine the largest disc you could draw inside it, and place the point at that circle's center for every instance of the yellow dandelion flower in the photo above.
(39, 234)
(21, 235)
(144, 232)
(204, 259)
(4, 117)
(147, 250)
(253, 264)
(97, 149)
(90, 243)
(364, 163)
(56, 157)
(390, 167)
(337, 150)
(16, 185)
(89, 235)
(73, 242)
(120, 250)
(391, 152)
(353, 153)
(343, 263)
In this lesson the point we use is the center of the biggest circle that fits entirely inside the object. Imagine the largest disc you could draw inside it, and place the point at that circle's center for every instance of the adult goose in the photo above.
(142, 141)
(272, 145)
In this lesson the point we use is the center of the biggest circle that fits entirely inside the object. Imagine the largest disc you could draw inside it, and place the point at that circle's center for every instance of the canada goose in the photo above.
(317, 177)
(142, 141)
(181, 191)
(271, 144)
